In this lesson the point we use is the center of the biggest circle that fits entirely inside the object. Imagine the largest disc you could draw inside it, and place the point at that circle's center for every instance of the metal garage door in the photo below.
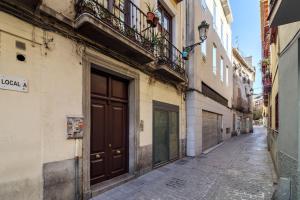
(211, 129)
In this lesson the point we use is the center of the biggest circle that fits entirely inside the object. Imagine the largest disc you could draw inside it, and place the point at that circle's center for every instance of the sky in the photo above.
(246, 33)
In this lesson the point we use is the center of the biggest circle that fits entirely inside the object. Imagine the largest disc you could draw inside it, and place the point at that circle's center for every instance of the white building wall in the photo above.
(200, 69)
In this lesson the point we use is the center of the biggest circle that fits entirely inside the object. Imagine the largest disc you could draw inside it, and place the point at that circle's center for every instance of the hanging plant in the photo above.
(265, 62)
(152, 18)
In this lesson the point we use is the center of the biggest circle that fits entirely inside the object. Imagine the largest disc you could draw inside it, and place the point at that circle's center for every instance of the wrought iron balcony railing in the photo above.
(130, 21)
(267, 83)
(126, 18)
(168, 54)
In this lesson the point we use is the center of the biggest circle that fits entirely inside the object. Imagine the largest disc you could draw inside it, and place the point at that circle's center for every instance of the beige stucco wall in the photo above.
(35, 122)
(274, 70)
(33, 131)
(159, 92)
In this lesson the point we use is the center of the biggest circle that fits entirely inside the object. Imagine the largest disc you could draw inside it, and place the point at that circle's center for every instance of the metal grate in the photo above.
(181, 162)
(176, 183)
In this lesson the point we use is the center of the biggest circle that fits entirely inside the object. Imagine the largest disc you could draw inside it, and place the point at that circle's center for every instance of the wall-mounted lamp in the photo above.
(202, 28)
(251, 93)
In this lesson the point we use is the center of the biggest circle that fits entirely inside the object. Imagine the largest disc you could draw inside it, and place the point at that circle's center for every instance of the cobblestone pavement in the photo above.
(239, 169)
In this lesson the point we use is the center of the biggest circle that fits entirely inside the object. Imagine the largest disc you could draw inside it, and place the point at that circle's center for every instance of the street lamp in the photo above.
(202, 29)
(251, 93)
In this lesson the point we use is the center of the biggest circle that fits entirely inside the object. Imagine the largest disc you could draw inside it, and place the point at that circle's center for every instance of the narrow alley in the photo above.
(239, 169)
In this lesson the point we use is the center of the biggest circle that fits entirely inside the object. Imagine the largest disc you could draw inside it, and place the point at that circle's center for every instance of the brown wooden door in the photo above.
(109, 141)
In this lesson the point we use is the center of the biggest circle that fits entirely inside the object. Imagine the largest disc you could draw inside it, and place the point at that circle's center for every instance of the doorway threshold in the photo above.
(212, 148)
(109, 184)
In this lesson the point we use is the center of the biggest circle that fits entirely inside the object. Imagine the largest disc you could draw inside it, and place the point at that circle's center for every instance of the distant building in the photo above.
(242, 101)
(258, 106)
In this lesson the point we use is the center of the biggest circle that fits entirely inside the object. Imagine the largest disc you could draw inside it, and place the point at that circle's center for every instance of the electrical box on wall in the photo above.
(74, 127)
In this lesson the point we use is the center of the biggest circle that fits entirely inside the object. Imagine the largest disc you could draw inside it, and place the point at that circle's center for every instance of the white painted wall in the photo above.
(220, 17)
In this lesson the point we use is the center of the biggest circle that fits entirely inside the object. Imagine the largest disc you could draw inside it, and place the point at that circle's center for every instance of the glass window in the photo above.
(222, 69)
(214, 59)
(203, 48)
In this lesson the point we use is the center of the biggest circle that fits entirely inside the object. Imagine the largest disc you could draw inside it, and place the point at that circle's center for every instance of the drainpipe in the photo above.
(298, 84)
(191, 133)
(77, 177)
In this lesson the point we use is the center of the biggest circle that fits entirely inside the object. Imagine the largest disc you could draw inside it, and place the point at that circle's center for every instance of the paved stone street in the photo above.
(239, 169)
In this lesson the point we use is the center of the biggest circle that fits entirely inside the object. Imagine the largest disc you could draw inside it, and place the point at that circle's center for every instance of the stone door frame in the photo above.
(122, 70)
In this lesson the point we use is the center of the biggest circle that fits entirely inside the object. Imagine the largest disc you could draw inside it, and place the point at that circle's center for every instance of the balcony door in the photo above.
(165, 29)
(120, 9)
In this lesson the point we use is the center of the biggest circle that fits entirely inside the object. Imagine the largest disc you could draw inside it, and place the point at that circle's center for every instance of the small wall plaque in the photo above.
(13, 83)
(75, 127)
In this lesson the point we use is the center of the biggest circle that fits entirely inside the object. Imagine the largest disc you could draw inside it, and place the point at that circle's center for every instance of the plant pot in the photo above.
(150, 18)
(155, 21)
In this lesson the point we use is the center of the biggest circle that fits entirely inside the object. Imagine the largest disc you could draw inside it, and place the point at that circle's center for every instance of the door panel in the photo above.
(99, 85)
(220, 129)
(118, 89)
(109, 140)
(211, 129)
(173, 135)
(118, 138)
(98, 127)
(161, 147)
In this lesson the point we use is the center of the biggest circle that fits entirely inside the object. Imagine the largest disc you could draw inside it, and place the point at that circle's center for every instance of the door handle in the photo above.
(109, 145)
(118, 151)
(98, 155)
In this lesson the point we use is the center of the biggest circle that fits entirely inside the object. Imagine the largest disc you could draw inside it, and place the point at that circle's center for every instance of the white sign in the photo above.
(13, 83)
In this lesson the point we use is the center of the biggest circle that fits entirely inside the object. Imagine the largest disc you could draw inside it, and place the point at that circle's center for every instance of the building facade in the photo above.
(242, 102)
(92, 94)
(258, 110)
(209, 93)
(280, 67)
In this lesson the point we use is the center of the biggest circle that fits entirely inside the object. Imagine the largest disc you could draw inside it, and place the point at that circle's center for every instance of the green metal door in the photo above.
(165, 133)
(173, 135)
(161, 145)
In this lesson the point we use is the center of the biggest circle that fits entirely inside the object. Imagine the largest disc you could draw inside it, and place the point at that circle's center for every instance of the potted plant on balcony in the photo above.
(152, 18)
(159, 45)
(131, 32)
(265, 62)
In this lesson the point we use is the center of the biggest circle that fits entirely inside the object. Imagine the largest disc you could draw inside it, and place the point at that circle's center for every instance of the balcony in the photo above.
(169, 61)
(284, 12)
(118, 26)
(27, 4)
(123, 28)
(264, 66)
(267, 83)
(240, 104)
